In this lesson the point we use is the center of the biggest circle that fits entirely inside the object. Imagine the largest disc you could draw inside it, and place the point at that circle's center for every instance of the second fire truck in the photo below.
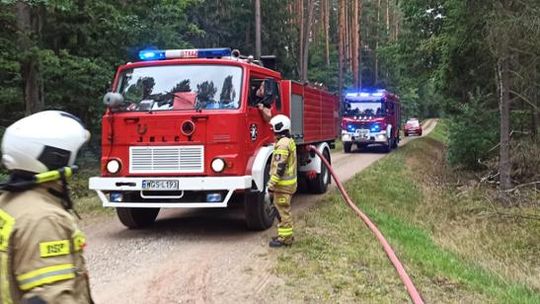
(370, 117)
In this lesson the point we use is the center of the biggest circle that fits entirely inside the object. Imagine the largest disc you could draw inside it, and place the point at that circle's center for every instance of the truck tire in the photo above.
(135, 218)
(319, 184)
(395, 142)
(347, 147)
(259, 210)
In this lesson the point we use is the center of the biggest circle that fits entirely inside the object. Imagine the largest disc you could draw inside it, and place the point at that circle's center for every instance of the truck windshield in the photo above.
(181, 87)
(370, 108)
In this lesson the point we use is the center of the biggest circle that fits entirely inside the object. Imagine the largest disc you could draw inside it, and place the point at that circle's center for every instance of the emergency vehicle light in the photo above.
(186, 53)
(377, 93)
(152, 55)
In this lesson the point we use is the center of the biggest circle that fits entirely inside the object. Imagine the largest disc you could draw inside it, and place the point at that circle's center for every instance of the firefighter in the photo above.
(40, 244)
(282, 183)
(263, 103)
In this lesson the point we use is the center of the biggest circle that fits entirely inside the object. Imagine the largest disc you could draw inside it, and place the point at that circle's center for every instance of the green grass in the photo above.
(86, 201)
(336, 259)
(339, 146)
(440, 133)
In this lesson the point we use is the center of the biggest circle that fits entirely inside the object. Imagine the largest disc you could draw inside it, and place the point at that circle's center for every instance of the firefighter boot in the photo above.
(277, 242)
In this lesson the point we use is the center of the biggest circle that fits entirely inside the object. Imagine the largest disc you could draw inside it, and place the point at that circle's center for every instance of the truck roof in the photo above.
(218, 56)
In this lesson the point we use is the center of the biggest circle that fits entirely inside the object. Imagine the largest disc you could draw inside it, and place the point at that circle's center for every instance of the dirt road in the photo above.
(194, 256)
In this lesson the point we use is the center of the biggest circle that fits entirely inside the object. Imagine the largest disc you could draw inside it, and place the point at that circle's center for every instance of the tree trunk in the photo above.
(258, 29)
(341, 44)
(505, 165)
(535, 112)
(29, 23)
(326, 24)
(387, 18)
(377, 38)
(307, 27)
(355, 43)
(300, 5)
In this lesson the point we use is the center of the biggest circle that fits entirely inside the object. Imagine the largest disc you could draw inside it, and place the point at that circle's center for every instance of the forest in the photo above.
(474, 63)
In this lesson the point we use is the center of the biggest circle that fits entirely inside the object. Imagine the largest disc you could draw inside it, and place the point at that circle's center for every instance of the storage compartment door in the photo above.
(297, 118)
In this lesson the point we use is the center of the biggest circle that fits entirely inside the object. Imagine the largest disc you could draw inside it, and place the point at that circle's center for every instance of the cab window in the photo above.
(258, 93)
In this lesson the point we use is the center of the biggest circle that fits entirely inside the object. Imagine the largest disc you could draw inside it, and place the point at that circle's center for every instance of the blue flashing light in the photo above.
(351, 128)
(116, 197)
(184, 53)
(214, 197)
(210, 53)
(152, 55)
(375, 128)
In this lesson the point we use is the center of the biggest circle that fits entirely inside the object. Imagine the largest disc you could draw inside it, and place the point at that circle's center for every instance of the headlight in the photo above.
(218, 165)
(113, 166)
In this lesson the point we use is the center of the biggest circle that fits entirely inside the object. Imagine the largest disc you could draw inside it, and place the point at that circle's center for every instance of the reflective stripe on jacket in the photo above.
(283, 167)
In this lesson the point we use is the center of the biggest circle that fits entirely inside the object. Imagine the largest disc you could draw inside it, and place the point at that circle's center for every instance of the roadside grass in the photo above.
(440, 133)
(339, 146)
(456, 249)
(85, 200)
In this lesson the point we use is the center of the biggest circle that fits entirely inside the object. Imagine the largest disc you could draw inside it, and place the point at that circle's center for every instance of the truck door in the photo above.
(260, 130)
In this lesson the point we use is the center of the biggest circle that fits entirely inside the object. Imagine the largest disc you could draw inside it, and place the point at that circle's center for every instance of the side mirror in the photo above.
(113, 100)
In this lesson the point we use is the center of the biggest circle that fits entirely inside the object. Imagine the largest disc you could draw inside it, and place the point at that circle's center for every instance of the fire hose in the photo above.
(411, 289)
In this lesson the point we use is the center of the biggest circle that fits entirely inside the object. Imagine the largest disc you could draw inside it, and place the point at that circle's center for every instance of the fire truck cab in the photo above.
(182, 130)
(370, 117)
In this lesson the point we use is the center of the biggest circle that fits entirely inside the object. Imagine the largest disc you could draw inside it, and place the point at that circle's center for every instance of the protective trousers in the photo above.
(282, 201)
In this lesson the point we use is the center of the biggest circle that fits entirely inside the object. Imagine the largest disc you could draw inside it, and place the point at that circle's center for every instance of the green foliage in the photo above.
(472, 133)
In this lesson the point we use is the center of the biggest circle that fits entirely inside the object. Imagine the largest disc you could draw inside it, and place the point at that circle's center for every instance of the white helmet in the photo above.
(280, 123)
(43, 141)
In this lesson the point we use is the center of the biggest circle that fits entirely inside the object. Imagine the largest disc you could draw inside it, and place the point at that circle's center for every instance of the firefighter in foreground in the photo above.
(40, 244)
(282, 183)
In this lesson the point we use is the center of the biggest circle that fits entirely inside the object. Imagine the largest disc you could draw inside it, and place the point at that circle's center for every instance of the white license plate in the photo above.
(160, 184)
(361, 132)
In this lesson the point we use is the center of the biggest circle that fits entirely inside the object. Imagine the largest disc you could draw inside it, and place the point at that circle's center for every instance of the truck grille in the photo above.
(171, 159)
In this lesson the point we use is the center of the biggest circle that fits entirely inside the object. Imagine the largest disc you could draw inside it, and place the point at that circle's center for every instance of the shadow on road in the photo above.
(200, 224)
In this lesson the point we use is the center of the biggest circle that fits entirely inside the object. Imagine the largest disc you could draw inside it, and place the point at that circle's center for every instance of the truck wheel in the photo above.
(320, 184)
(347, 147)
(259, 210)
(388, 146)
(395, 143)
(134, 218)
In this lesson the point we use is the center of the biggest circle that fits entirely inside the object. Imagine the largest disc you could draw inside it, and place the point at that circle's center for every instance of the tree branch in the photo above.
(523, 185)
(524, 98)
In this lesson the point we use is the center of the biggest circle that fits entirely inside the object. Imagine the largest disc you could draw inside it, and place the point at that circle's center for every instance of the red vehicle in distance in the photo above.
(412, 127)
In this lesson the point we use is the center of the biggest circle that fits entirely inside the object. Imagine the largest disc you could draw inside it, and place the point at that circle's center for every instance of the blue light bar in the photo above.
(184, 53)
(210, 53)
(152, 55)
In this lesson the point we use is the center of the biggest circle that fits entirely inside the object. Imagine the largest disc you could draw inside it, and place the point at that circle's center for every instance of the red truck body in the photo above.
(181, 146)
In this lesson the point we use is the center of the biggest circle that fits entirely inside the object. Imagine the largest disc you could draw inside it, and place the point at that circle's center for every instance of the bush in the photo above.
(471, 134)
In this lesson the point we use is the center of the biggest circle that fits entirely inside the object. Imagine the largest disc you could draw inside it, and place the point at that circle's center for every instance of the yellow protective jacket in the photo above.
(40, 249)
(283, 167)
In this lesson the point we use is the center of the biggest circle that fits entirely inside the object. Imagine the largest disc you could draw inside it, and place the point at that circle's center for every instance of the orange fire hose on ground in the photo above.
(411, 289)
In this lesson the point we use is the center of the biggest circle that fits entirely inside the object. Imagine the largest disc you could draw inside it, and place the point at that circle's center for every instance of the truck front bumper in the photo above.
(117, 187)
(364, 137)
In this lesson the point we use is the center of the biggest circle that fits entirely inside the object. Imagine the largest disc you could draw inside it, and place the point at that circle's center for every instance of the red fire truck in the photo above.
(182, 130)
(370, 117)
